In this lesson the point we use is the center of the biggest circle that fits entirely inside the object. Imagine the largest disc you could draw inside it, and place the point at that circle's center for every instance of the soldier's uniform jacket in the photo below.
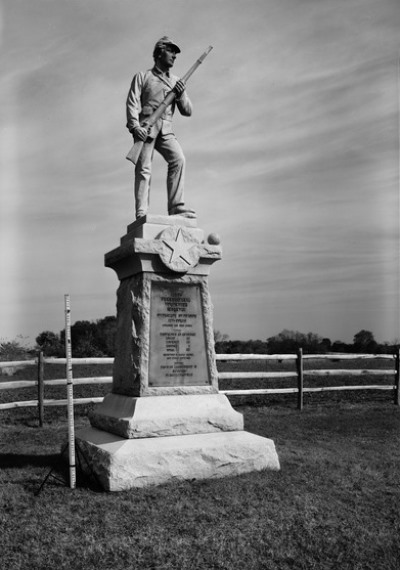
(149, 89)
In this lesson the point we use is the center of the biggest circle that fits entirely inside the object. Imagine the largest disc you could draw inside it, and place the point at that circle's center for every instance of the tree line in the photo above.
(97, 338)
(289, 342)
(88, 339)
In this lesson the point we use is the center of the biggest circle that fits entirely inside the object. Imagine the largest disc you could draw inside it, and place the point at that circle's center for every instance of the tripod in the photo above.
(81, 457)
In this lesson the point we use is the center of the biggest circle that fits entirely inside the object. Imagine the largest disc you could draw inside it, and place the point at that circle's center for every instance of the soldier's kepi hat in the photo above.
(166, 41)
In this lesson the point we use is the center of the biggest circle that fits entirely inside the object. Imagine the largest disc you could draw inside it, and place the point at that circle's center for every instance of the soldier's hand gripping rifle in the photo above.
(134, 153)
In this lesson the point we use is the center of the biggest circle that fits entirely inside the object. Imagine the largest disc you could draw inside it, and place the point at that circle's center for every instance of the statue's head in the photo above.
(162, 44)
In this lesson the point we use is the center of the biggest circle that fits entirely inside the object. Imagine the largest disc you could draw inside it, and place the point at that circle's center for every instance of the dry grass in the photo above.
(335, 503)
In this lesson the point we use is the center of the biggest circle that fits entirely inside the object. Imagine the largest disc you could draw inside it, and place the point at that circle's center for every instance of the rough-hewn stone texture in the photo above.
(122, 464)
(131, 365)
(161, 416)
(164, 418)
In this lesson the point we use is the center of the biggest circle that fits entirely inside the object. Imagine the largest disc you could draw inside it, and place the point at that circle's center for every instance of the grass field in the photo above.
(334, 504)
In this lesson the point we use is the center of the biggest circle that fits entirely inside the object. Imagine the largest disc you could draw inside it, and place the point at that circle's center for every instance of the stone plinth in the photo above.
(160, 416)
(146, 248)
(164, 418)
(121, 464)
(165, 342)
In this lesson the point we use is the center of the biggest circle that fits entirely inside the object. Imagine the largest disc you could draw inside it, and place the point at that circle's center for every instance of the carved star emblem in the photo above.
(179, 248)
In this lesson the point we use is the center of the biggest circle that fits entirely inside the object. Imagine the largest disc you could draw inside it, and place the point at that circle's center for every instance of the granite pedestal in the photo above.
(164, 418)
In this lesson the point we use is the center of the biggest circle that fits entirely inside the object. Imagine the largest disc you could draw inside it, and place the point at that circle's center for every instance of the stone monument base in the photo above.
(165, 418)
(121, 464)
(160, 416)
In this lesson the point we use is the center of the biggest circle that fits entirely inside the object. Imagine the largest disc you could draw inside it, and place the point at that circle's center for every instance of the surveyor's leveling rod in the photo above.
(70, 396)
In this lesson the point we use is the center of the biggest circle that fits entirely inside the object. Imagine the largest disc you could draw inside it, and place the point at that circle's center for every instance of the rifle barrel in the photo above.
(196, 64)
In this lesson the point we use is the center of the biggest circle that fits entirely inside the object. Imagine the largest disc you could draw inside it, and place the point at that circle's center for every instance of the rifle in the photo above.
(134, 153)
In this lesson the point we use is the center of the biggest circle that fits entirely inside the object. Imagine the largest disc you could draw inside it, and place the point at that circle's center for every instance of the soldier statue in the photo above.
(147, 92)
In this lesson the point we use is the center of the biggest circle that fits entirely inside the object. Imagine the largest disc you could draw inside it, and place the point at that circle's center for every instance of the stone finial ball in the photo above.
(214, 239)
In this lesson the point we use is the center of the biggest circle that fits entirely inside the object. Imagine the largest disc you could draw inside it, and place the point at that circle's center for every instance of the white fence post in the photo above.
(397, 379)
(40, 378)
(300, 379)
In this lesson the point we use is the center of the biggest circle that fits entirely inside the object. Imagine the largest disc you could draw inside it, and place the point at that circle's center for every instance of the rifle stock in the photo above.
(134, 153)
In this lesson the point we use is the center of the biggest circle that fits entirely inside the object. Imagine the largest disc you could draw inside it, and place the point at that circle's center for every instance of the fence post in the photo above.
(300, 378)
(397, 380)
(40, 377)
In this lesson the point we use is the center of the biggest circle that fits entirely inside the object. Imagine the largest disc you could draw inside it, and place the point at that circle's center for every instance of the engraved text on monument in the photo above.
(177, 339)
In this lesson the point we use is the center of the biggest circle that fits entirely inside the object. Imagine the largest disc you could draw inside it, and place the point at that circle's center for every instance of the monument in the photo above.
(164, 418)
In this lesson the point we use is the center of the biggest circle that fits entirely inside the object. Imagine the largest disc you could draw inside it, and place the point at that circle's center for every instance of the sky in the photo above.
(292, 158)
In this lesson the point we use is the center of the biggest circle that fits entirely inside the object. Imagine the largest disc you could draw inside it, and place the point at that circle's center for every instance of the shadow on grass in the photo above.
(57, 470)
(10, 460)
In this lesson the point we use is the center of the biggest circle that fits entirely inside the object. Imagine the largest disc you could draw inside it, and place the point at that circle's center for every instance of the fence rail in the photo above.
(299, 372)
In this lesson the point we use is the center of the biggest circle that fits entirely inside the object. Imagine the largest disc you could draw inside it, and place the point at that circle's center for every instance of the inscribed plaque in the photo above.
(178, 355)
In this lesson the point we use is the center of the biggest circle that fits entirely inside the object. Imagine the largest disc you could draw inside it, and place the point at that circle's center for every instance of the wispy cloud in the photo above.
(292, 157)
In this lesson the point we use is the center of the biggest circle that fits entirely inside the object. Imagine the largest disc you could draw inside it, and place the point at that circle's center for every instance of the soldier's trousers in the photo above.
(169, 148)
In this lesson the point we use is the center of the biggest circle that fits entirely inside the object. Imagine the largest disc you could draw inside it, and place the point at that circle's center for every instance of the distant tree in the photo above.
(288, 341)
(364, 342)
(86, 348)
(244, 346)
(339, 346)
(84, 339)
(50, 344)
(390, 347)
(326, 344)
(220, 341)
(106, 329)
(89, 338)
(258, 347)
(219, 336)
(15, 349)
(93, 338)
(314, 343)
(229, 347)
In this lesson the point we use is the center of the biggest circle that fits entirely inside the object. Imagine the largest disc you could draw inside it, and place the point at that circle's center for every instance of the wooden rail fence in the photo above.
(299, 372)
